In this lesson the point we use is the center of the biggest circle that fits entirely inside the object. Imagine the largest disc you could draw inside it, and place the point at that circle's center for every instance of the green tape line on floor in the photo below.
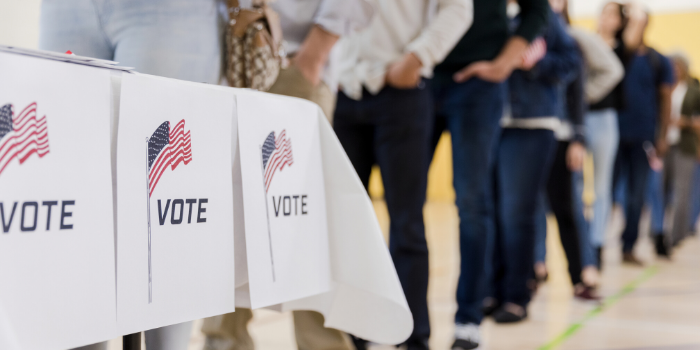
(630, 287)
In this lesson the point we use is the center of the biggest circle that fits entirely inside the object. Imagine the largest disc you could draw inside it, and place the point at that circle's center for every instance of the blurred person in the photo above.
(311, 29)
(177, 39)
(469, 94)
(622, 33)
(642, 120)
(681, 160)
(599, 73)
(524, 156)
(384, 117)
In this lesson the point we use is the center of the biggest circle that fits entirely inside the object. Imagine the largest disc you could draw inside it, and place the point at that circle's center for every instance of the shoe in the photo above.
(587, 293)
(510, 313)
(467, 337)
(662, 250)
(630, 259)
(360, 344)
(489, 306)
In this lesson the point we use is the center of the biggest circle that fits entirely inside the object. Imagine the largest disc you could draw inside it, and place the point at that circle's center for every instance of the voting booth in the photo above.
(130, 202)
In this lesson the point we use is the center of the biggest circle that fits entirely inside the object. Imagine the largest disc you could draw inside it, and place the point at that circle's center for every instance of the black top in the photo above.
(489, 32)
(615, 99)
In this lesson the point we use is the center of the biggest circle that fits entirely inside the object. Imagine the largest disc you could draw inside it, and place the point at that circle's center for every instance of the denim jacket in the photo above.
(537, 93)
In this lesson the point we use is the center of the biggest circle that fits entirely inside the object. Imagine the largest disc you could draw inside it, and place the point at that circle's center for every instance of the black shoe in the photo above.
(467, 337)
(360, 344)
(661, 248)
(510, 313)
(489, 306)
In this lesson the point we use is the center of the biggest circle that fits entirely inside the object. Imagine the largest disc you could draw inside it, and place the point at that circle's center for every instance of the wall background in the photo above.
(675, 24)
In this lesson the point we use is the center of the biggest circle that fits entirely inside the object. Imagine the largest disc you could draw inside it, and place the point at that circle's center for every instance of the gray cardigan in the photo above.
(603, 69)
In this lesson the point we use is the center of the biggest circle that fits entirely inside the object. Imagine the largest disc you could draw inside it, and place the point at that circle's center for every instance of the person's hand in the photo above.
(661, 147)
(309, 68)
(635, 11)
(695, 124)
(575, 155)
(405, 73)
(491, 71)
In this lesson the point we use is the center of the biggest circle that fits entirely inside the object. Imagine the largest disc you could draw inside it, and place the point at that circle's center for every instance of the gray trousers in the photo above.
(682, 177)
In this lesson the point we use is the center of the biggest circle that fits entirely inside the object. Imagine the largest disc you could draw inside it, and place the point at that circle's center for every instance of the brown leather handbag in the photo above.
(254, 46)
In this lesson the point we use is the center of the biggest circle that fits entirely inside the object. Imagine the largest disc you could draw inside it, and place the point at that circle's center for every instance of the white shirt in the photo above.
(674, 132)
(427, 28)
(339, 17)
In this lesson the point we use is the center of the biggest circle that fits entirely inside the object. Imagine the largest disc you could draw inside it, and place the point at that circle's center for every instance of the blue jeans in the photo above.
(175, 38)
(602, 137)
(391, 129)
(179, 39)
(471, 111)
(522, 167)
(695, 199)
(632, 171)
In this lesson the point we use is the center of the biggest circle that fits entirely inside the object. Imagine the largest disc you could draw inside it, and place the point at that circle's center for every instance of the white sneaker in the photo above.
(467, 336)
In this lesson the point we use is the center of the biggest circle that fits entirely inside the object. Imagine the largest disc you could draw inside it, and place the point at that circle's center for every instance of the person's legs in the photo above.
(355, 132)
(73, 25)
(228, 331)
(174, 337)
(655, 198)
(638, 172)
(682, 183)
(695, 200)
(402, 129)
(523, 164)
(473, 111)
(178, 39)
(602, 140)
(559, 192)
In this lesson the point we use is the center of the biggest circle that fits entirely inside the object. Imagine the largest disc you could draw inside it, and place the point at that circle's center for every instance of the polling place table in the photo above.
(131, 202)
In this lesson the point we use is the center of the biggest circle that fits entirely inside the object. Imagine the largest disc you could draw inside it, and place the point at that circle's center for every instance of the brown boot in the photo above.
(630, 259)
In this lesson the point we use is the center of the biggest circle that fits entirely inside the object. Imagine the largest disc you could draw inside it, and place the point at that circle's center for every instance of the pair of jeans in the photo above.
(602, 139)
(391, 129)
(564, 193)
(695, 198)
(523, 163)
(172, 38)
(631, 171)
(471, 111)
(179, 39)
(662, 189)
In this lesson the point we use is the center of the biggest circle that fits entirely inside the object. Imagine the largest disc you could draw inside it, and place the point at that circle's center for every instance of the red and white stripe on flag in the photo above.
(281, 157)
(29, 135)
(179, 150)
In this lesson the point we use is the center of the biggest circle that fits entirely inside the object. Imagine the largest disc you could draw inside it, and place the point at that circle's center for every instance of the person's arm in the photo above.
(665, 91)
(604, 71)
(563, 59)
(533, 15)
(452, 20)
(333, 19)
(633, 36)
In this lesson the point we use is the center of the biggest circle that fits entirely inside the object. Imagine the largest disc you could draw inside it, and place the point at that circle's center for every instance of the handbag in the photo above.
(254, 46)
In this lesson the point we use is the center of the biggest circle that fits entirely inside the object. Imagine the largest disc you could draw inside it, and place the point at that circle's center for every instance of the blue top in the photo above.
(537, 93)
(640, 112)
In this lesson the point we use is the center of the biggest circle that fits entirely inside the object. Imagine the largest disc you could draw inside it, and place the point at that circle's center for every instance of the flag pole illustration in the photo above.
(22, 135)
(166, 148)
(276, 154)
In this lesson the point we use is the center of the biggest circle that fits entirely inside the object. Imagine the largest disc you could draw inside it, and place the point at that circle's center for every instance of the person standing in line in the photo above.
(685, 121)
(643, 122)
(622, 33)
(384, 116)
(469, 94)
(600, 73)
(523, 162)
(311, 29)
(178, 39)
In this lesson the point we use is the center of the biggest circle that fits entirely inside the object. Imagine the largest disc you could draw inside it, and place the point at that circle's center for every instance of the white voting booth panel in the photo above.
(57, 286)
(175, 205)
(251, 200)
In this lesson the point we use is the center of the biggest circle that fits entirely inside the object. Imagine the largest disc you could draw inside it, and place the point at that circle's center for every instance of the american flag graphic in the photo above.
(167, 148)
(535, 52)
(22, 135)
(276, 154)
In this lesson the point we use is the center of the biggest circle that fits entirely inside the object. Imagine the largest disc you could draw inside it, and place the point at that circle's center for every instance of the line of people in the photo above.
(523, 94)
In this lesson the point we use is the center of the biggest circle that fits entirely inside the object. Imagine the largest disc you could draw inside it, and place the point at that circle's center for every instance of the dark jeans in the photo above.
(472, 111)
(524, 158)
(631, 171)
(565, 202)
(391, 129)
